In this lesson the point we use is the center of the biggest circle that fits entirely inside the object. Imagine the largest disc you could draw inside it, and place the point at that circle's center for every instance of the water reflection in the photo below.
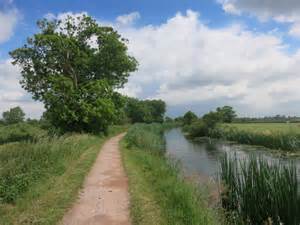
(202, 156)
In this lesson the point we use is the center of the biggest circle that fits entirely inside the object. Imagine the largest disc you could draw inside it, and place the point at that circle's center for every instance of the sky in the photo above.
(194, 54)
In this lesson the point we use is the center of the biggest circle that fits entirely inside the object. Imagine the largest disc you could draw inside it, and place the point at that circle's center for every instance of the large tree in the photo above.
(13, 115)
(73, 67)
(189, 117)
(226, 113)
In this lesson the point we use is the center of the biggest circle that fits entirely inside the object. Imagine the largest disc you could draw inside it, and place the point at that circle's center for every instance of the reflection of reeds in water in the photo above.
(260, 192)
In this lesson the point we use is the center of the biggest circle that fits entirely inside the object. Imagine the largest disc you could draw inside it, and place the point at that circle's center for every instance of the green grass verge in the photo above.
(40, 181)
(159, 196)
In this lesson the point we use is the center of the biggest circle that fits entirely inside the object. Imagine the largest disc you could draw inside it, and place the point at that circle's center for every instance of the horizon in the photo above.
(241, 53)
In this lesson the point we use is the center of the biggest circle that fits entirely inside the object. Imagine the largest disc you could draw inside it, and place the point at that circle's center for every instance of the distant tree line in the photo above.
(268, 119)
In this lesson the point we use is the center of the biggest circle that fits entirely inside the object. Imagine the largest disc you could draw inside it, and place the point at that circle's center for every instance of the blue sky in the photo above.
(194, 54)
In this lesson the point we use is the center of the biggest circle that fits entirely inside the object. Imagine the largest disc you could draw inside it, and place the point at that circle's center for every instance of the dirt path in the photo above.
(104, 198)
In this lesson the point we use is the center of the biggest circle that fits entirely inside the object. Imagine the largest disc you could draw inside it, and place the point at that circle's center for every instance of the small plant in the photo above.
(260, 192)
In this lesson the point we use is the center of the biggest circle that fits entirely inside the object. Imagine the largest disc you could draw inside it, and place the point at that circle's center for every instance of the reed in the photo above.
(260, 192)
(287, 140)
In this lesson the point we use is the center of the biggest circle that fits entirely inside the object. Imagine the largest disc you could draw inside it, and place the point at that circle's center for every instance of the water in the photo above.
(202, 157)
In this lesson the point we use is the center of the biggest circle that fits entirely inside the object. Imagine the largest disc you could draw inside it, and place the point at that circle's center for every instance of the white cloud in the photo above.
(295, 30)
(283, 11)
(190, 63)
(186, 62)
(8, 21)
(12, 94)
(128, 19)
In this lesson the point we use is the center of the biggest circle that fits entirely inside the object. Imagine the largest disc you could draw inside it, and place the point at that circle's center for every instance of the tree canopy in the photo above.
(226, 114)
(145, 111)
(189, 117)
(13, 115)
(73, 67)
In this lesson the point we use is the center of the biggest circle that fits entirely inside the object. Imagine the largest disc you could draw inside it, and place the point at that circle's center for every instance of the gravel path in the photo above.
(104, 199)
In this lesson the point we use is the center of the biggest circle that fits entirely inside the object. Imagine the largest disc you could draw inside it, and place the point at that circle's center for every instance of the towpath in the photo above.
(104, 199)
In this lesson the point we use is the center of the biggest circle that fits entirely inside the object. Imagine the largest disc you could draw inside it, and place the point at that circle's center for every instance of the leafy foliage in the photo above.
(226, 114)
(147, 111)
(21, 132)
(14, 115)
(73, 67)
(189, 117)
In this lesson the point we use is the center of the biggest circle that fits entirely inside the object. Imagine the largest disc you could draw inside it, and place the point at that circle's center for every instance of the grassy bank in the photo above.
(275, 136)
(40, 180)
(158, 194)
(258, 192)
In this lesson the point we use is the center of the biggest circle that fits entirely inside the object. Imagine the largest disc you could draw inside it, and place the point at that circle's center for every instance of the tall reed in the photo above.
(260, 192)
(289, 141)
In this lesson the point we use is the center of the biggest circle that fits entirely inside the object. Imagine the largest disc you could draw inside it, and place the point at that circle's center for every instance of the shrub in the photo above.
(21, 132)
(197, 129)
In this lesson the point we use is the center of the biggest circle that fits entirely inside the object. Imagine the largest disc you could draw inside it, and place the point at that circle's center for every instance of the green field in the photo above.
(268, 127)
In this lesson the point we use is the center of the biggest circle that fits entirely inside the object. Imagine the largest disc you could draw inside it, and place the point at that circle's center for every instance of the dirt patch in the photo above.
(104, 199)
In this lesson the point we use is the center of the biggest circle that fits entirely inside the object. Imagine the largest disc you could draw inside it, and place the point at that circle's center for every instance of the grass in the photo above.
(268, 127)
(275, 136)
(158, 194)
(39, 181)
(260, 192)
(21, 132)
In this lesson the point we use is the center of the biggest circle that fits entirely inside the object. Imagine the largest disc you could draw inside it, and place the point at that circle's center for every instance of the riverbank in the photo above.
(284, 137)
(158, 194)
(40, 180)
(248, 176)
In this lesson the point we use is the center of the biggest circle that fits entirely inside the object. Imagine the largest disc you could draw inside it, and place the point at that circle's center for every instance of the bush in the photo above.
(197, 129)
(21, 132)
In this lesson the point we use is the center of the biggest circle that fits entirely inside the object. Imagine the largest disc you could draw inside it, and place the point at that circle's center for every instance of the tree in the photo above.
(211, 119)
(157, 110)
(189, 117)
(73, 67)
(168, 119)
(226, 113)
(147, 111)
(14, 115)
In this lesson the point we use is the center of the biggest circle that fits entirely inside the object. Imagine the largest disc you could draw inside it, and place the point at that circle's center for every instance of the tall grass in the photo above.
(159, 195)
(21, 132)
(23, 164)
(289, 141)
(260, 192)
(146, 136)
(40, 180)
